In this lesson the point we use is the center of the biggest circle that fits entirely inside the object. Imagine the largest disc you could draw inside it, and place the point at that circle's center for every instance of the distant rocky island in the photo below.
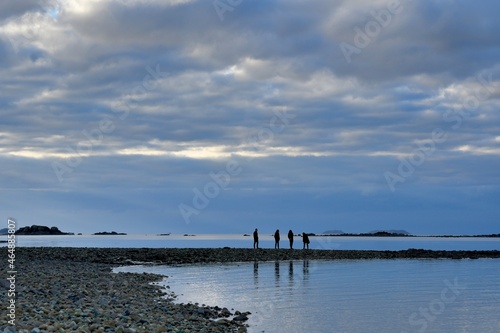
(395, 233)
(41, 230)
(107, 233)
(374, 233)
(333, 232)
(453, 236)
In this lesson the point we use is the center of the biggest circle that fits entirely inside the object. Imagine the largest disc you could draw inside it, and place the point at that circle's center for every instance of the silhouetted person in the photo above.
(255, 239)
(277, 239)
(305, 239)
(290, 238)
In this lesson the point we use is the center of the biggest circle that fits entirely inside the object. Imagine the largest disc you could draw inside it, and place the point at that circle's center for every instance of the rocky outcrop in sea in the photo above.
(41, 230)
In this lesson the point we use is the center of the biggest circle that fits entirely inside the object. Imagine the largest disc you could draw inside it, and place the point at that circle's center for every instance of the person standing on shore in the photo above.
(277, 239)
(290, 238)
(255, 239)
(305, 239)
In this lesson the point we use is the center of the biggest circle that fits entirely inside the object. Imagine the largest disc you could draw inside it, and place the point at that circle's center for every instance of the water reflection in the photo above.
(322, 295)
(296, 277)
(277, 273)
(256, 273)
(291, 276)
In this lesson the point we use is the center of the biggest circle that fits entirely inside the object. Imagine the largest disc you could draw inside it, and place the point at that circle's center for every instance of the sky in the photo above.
(221, 116)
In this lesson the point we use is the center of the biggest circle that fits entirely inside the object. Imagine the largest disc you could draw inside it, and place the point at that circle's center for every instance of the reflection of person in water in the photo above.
(277, 270)
(277, 239)
(305, 239)
(256, 272)
(255, 239)
(290, 238)
(305, 269)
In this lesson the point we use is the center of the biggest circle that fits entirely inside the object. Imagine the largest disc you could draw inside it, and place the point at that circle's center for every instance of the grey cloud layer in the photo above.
(219, 82)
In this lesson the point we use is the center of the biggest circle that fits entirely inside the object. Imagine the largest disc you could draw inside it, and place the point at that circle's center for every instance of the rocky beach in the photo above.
(75, 290)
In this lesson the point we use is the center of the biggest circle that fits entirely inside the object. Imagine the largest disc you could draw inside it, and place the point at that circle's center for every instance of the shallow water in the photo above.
(347, 296)
(266, 241)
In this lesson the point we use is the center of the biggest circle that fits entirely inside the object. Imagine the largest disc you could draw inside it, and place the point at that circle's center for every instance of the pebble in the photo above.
(70, 296)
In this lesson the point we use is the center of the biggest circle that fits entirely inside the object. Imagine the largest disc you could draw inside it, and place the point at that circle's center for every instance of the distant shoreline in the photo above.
(404, 235)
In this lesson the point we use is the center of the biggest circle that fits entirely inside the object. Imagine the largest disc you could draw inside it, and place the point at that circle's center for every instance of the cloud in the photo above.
(150, 97)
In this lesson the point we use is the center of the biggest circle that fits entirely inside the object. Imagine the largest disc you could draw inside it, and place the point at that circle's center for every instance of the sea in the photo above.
(327, 296)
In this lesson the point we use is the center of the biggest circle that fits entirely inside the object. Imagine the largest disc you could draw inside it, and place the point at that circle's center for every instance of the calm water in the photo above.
(217, 241)
(403, 296)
